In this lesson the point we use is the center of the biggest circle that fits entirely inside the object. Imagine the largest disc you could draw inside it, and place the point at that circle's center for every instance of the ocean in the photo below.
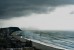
(64, 39)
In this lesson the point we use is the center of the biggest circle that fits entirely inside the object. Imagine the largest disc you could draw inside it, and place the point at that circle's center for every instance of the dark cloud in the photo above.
(17, 8)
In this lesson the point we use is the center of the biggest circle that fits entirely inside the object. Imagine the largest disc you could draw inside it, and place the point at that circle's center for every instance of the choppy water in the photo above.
(63, 39)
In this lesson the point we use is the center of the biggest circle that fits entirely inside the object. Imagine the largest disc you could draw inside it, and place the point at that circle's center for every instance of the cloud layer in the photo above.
(17, 8)
(62, 18)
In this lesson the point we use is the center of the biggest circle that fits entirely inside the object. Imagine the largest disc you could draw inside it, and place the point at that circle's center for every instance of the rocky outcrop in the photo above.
(6, 38)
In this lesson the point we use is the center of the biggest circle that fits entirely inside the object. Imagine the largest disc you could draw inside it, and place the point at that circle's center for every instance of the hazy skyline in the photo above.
(39, 14)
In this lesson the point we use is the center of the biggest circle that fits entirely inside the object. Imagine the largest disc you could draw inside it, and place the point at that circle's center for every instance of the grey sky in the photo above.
(17, 8)
(40, 14)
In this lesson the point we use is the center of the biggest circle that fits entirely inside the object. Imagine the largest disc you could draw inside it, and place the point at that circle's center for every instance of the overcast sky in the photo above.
(38, 14)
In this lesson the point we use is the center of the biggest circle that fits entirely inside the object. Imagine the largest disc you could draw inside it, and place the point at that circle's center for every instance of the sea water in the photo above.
(63, 39)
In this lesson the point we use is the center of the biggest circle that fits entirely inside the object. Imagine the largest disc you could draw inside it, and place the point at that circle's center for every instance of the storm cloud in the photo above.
(17, 8)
